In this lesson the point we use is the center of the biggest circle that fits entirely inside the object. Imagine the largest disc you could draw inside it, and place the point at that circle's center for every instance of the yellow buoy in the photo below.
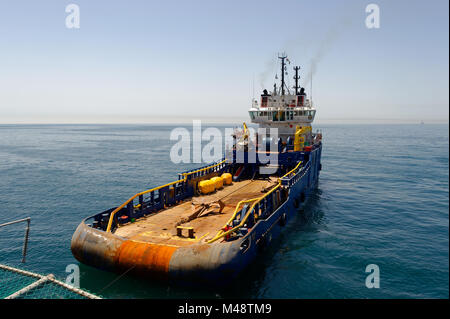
(206, 187)
(227, 178)
(218, 182)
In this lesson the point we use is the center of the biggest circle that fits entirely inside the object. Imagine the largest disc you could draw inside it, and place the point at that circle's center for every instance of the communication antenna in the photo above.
(253, 87)
(282, 58)
(296, 78)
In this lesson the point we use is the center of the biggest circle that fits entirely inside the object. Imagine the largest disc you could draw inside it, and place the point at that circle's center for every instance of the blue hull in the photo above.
(236, 255)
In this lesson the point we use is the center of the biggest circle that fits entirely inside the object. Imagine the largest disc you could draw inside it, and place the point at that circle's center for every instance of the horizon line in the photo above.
(171, 120)
(437, 122)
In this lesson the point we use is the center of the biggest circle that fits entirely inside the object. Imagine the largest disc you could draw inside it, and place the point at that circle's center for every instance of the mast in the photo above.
(296, 78)
(283, 57)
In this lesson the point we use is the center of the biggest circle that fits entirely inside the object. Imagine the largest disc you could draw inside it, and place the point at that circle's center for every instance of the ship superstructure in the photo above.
(284, 107)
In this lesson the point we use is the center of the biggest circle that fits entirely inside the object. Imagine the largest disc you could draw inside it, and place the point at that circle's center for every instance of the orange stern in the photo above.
(145, 258)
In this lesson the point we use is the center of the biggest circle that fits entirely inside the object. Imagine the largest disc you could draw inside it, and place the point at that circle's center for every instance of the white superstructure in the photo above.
(283, 108)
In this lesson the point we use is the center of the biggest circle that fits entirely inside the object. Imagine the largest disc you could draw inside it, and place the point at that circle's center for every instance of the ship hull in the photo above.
(211, 263)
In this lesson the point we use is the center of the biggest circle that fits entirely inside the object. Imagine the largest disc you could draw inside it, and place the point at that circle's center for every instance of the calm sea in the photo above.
(383, 199)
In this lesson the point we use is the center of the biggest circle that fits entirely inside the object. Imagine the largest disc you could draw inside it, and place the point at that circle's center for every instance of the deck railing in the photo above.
(161, 196)
(202, 171)
(294, 176)
(27, 233)
(262, 206)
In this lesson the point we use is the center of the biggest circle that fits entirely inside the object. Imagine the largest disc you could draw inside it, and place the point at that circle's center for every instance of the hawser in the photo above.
(211, 222)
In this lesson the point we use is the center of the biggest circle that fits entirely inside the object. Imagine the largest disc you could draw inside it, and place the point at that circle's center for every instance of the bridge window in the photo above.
(290, 115)
(264, 100)
(275, 116)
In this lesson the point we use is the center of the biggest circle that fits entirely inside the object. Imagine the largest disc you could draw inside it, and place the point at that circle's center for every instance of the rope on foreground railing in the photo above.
(41, 282)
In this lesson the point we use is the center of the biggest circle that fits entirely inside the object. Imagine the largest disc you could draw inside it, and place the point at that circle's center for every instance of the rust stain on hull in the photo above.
(145, 258)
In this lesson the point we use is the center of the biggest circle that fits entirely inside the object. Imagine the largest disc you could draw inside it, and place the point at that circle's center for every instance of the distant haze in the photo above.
(171, 62)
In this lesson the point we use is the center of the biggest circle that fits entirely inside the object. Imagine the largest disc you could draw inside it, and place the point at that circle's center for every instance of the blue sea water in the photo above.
(383, 198)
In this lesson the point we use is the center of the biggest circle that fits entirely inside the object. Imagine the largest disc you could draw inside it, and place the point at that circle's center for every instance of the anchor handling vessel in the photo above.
(211, 222)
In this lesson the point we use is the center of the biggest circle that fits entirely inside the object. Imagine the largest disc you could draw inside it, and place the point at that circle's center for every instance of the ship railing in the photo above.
(205, 170)
(261, 207)
(295, 175)
(27, 233)
(155, 199)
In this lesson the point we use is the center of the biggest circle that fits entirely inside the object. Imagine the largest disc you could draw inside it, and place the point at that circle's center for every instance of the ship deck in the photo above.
(160, 228)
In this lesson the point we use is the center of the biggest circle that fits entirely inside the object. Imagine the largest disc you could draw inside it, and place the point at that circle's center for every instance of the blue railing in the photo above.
(288, 181)
(156, 199)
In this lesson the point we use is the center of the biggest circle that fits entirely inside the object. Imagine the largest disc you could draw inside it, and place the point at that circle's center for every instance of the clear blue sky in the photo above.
(143, 60)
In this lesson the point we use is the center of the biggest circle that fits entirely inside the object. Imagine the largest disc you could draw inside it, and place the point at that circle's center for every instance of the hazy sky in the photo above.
(149, 61)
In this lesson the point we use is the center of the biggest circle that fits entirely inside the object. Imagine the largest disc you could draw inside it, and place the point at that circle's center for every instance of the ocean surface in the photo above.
(383, 198)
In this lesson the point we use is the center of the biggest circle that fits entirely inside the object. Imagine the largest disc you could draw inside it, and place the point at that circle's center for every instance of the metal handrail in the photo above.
(235, 212)
(222, 234)
(113, 213)
(253, 199)
(27, 232)
(291, 171)
(203, 169)
(232, 230)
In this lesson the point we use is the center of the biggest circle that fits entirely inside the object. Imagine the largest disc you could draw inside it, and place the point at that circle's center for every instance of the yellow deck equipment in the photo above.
(227, 178)
(218, 182)
(206, 186)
